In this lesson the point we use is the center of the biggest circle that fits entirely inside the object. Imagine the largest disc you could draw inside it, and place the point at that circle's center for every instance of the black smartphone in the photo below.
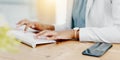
(98, 49)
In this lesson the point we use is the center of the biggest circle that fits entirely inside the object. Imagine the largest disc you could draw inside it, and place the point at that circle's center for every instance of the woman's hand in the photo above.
(34, 25)
(55, 35)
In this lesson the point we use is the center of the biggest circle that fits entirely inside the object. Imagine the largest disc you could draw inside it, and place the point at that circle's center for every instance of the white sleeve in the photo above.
(107, 34)
(116, 9)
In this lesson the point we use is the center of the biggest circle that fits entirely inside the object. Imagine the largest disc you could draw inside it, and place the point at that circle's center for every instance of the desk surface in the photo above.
(69, 50)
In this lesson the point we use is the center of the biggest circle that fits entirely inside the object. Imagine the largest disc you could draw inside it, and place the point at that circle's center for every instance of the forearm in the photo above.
(49, 27)
(40, 26)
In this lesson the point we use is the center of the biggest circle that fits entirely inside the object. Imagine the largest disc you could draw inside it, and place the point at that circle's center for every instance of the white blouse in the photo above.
(102, 21)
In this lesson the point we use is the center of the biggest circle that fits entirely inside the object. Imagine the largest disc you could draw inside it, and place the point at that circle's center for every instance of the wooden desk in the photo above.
(70, 50)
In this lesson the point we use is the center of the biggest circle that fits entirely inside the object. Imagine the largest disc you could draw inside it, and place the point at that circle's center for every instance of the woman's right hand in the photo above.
(34, 25)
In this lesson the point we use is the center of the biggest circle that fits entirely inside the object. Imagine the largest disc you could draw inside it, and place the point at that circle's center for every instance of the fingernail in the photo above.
(33, 26)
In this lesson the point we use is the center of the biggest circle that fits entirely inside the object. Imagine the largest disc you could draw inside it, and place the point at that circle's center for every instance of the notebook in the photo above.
(29, 38)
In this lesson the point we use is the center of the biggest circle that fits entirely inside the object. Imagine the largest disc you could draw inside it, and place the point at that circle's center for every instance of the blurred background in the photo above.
(45, 11)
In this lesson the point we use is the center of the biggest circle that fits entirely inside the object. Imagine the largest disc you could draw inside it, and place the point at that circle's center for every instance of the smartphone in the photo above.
(98, 49)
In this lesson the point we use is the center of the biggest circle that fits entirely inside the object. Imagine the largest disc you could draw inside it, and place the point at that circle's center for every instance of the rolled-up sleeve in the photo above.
(106, 34)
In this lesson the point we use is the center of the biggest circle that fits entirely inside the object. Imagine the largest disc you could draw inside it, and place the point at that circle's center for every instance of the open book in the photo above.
(28, 38)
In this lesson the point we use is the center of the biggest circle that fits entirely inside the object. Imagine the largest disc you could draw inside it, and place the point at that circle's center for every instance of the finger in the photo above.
(19, 25)
(19, 22)
(22, 22)
(52, 38)
(26, 27)
(50, 34)
(31, 25)
(41, 33)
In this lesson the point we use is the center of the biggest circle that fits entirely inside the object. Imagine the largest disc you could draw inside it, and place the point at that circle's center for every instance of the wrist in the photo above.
(76, 33)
